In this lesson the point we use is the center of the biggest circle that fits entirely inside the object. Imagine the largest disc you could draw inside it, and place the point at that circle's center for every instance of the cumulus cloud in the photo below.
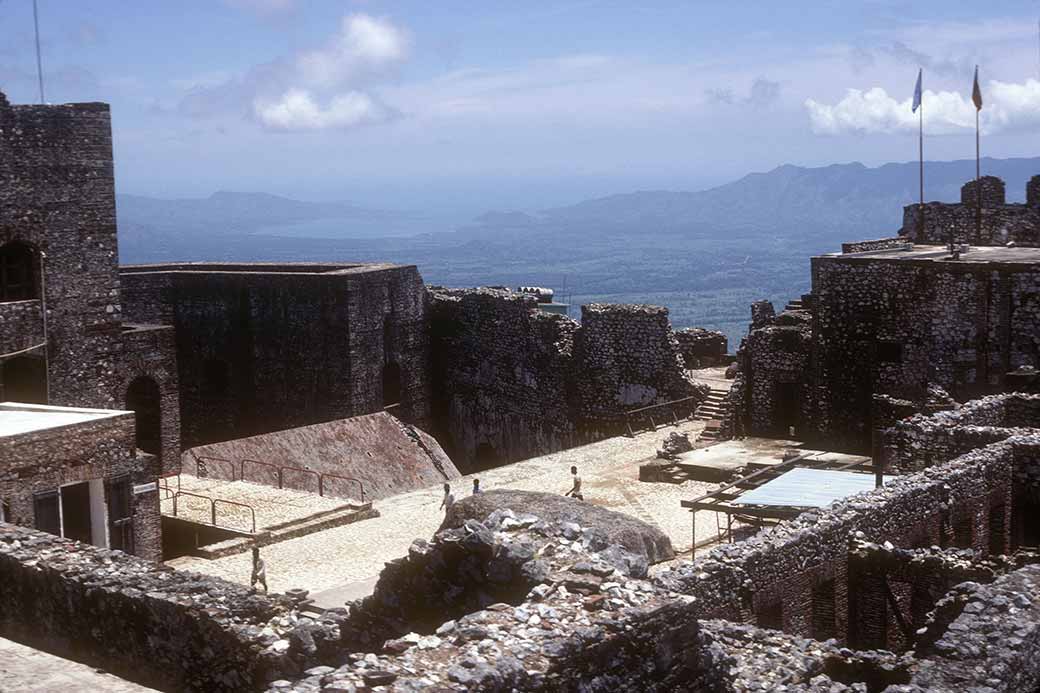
(365, 45)
(297, 110)
(1007, 107)
(331, 86)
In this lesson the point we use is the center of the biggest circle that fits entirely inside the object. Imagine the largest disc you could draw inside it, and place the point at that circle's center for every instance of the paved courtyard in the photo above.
(342, 556)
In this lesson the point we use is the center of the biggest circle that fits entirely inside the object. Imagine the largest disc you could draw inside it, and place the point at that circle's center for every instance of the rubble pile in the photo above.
(674, 445)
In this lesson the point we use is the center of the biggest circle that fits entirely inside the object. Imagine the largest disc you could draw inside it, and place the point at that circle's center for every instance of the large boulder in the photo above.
(615, 528)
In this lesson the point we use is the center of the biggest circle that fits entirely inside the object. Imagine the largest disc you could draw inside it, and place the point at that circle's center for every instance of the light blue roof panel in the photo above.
(808, 488)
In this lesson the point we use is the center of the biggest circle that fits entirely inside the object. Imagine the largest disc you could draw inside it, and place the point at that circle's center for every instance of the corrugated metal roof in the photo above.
(808, 488)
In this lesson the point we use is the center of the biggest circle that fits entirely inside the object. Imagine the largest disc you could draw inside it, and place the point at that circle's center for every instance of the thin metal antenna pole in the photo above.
(39, 62)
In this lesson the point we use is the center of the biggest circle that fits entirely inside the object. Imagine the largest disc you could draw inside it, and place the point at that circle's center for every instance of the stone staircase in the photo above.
(713, 410)
(796, 304)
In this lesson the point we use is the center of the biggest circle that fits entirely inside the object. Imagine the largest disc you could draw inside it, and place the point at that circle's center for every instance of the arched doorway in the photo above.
(17, 275)
(143, 398)
(391, 384)
(24, 379)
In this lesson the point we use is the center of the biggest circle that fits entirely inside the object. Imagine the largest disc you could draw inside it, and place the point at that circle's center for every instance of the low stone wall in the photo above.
(923, 440)
(994, 639)
(164, 628)
(701, 348)
(890, 243)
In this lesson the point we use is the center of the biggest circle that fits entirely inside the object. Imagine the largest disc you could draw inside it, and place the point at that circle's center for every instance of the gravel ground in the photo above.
(341, 555)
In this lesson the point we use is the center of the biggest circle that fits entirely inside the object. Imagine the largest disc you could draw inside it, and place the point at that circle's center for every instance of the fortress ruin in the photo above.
(130, 390)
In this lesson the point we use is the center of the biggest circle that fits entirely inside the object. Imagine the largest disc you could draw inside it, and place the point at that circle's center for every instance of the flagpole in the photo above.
(920, 155)
(978, 185)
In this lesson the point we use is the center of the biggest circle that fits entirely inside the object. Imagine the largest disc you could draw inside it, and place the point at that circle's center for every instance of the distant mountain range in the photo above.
(706, 255)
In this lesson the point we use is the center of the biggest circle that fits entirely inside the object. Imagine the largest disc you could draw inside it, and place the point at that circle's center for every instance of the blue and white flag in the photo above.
(917, 93)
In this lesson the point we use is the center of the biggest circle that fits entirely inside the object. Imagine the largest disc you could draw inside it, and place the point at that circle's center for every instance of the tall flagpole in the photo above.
(920, 156)
(39, 62)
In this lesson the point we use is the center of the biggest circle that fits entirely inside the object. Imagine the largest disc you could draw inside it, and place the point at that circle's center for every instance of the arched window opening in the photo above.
(142, 397)
(391, 384)
(24, 380)
(17, 278)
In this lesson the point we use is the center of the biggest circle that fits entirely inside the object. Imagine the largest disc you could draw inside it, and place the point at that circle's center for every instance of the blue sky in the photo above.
(477, 105)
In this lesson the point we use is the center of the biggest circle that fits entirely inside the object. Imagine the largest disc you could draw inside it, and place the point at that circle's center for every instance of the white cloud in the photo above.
(297, 110)
(364, 45)
(1006, 107)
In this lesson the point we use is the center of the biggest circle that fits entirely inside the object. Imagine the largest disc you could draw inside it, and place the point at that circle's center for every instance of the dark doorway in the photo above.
(143, 398)
(75, 512)
(46, 516)
(788, 407)
(17, 279)
(120, 520)
(997, 530)
(25, 380)
(391, 384)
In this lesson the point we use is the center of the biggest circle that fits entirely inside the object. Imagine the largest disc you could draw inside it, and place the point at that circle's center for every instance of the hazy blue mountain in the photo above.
(706, 255)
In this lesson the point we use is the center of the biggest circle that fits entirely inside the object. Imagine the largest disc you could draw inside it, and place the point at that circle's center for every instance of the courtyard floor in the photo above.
(345, 560)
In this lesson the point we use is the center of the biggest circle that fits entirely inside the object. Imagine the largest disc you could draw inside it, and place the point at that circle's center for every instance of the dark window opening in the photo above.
(143, 398)
(216, 376)
(47, 516)
(823, 611)
(889, 352)
(75, 512)
(120, 521)
(24, 380)
(997, 530)
(391, 384)
(17, 279)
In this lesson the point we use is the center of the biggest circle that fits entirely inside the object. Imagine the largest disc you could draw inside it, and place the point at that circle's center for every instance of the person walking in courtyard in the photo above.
(259, 570)
(476, 486)
(575, 491)
(449, 499)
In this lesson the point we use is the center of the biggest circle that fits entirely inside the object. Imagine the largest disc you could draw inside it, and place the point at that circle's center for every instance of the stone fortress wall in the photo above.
(894, 317)
(513, 382)
(1000, 222)
(265, 347)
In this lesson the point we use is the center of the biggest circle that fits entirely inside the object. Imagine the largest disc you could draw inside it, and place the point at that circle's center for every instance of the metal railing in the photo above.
(664, 409)
(213, 503)
(203, 463)
(320, 477)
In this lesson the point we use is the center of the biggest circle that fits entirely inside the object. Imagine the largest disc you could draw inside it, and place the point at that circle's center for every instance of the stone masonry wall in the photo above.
(1000, 222)
(57, 195)
(701, 348)
(513, 382)
(103, 449)
(627, 358)
(164, 628)
(264, 347)
(501, 370)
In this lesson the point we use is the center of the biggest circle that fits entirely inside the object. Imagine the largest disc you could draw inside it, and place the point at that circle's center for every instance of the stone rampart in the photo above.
(164, 628)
